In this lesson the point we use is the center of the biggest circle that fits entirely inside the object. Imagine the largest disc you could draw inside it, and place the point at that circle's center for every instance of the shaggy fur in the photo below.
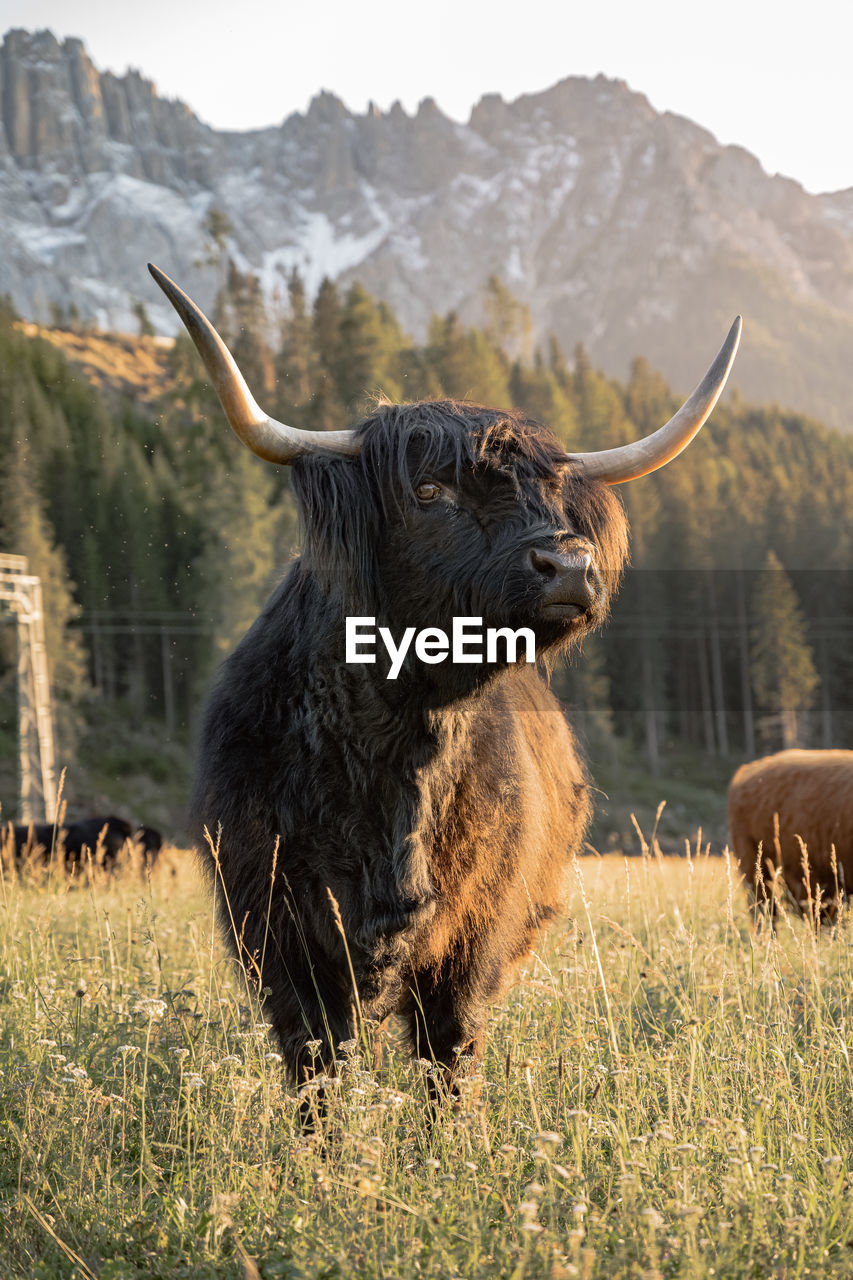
(811, 795)
(440, 809)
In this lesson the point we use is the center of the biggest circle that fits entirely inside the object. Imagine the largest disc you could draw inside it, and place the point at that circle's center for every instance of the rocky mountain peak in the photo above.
(60, 114)
(629, 230)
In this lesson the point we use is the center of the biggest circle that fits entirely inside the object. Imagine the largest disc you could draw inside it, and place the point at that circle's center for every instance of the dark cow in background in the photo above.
(106, 835)
(416, 829)
(150, 841)
(780, 800)
(32, 837)
(104, 838)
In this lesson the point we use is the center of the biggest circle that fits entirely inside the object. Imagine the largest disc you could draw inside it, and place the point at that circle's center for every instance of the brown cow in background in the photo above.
(805, 794)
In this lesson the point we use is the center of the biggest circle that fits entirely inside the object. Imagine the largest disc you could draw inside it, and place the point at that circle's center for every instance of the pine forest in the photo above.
(158, 536)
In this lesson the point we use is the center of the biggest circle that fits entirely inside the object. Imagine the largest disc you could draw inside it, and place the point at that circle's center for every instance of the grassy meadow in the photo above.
(667, 1091)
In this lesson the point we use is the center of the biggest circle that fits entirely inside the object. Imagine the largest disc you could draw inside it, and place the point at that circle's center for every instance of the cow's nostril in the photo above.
(544, 562)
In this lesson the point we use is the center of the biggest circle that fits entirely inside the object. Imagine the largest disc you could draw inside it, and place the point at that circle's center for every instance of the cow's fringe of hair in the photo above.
(451, 433)
(343, 506)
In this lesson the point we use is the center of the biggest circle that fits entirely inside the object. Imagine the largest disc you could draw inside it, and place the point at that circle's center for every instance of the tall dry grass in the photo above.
(666, 1092)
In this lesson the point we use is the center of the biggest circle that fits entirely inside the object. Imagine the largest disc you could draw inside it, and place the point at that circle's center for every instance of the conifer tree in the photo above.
(295, 363)
(368, 345)
(248, 327)
(648, 400)
(242, 553)
(600, 407)
(217, 228)
(140, 311)
(466, 364)
(509, 325)
(327, 408)
(784, 678)
(539, 394)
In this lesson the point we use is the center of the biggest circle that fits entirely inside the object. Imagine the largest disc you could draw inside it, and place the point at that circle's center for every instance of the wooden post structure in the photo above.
(20, 592)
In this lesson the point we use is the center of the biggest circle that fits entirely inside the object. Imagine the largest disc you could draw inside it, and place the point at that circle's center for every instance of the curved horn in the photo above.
(264, 436)
(628, 461)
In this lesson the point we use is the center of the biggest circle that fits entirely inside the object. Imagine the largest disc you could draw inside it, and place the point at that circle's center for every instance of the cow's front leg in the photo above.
(447, 1023)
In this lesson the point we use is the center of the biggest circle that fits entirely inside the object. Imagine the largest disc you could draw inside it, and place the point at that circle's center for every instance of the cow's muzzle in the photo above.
(567, 579)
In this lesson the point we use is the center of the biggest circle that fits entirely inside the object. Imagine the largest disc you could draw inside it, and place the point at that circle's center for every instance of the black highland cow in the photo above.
(439, 809)
(102, 839)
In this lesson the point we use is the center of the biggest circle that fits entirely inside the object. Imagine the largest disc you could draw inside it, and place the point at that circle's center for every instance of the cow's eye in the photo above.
(428, 491)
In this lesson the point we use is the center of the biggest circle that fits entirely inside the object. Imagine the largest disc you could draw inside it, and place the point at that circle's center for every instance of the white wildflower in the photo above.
(150, 1008)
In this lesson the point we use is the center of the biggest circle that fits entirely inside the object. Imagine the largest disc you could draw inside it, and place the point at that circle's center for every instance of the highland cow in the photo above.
(32, 838)
(99, 838)
(782, 803)
(102, 839)
(394, 846)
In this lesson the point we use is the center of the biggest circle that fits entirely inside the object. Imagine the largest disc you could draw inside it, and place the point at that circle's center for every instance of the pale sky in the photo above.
(773, 77)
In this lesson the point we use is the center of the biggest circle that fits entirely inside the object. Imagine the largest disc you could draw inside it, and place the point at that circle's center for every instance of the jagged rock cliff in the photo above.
(632, 231)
